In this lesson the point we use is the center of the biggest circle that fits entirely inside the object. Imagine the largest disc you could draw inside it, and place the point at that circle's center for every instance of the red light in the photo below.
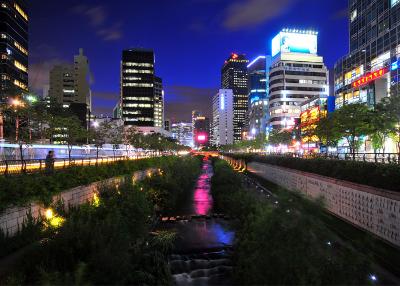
(370, 77)
(201, 137)
(234, 56)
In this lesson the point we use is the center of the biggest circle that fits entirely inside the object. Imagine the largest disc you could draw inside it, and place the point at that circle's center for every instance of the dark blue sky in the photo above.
(191, 40)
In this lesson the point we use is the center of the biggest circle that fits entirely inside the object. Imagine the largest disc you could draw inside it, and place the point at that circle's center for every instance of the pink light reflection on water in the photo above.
(202, 197)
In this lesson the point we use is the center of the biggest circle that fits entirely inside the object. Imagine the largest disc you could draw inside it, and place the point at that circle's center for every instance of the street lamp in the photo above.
(17, 103)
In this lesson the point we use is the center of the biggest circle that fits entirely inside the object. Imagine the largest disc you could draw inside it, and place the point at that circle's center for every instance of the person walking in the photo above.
(49, 163)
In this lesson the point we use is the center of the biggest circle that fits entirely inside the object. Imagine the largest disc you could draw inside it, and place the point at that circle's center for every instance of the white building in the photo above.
(296, 75)
(183, 133)
(222, 121)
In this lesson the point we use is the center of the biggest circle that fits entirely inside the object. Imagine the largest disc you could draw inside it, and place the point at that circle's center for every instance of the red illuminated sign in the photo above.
(370, 77)
(201, 137)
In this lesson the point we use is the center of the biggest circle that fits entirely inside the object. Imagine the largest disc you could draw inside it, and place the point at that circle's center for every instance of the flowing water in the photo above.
(202, 254)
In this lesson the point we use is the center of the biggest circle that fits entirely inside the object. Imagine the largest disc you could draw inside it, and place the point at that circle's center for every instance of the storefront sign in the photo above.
(370, 77)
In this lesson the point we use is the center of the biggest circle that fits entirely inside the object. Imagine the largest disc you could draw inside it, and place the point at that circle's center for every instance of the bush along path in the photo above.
(282, 241)
(109, 241)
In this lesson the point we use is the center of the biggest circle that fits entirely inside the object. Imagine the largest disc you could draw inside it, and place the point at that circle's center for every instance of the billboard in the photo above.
(295, 42)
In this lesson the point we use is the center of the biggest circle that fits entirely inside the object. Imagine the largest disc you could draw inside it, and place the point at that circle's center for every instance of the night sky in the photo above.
(191, 40)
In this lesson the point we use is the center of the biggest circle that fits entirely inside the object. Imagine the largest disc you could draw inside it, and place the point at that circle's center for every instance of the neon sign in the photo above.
(370, 77)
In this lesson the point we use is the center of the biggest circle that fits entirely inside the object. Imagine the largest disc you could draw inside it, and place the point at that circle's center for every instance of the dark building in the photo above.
(13, 48)
(234, 76)
(370, 71)
(167, 125)
(201, 131)
(141, 90)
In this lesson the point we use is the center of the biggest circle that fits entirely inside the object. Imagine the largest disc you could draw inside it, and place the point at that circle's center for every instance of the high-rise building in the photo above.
(70, 86)
(371, 69)
(142, 95)
(183, 133)
(167, 125)
(296, 75)
(13, 48)
(69, 83)
(158, 103)
(234, 77)
(258, 71)
(201, 131)
(222, 127)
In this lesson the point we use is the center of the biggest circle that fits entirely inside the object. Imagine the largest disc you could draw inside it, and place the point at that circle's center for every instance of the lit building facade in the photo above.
(201, 131)
(183, 133)
(258, 71)
(312, 111)
(296, 75)
(370, 71)
(13, 48)
(222, 127)
(142, 96)
(234, 76)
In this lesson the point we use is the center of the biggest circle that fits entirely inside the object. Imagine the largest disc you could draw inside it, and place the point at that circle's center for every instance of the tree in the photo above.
(277, 137)
(353, 122)
(390, 106)
(115, 136)
(381, 125)
(18, 116)
(97, 136)
(327, 132)
(68, 129)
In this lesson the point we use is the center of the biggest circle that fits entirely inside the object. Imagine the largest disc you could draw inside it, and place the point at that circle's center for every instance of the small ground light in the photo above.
(49, 213)
(288, 211)
(373, 277)
(329, 243)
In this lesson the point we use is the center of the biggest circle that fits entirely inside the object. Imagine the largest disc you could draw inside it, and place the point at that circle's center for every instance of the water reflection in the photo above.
(202, 200)
(202, 254)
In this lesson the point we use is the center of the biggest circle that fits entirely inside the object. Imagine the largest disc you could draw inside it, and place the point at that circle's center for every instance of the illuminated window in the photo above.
(138, 84)
(138, 71)
(20, 66)
(20, 84)
(137, 64)
(21, 48)
(21, 12)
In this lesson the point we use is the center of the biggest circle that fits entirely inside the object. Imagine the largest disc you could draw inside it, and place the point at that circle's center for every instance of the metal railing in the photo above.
(385, 158)
(12, 167)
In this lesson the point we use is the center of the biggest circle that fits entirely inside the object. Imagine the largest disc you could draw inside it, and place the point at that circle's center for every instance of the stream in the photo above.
(202, 253)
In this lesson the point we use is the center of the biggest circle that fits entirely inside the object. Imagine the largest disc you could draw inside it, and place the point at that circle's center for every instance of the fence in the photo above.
(11, 167)
(386, 158)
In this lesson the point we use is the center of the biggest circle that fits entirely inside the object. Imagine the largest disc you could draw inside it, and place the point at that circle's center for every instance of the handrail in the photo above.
(27, 166)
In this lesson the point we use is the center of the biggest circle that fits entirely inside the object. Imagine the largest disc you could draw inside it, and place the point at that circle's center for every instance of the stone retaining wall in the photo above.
(372, 209)
(13, 218)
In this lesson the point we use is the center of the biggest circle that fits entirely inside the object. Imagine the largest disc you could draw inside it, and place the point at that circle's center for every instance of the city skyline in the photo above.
(102, 29)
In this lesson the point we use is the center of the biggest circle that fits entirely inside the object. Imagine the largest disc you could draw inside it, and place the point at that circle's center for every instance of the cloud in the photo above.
(39, 73)
(112, 33)
(103, 102)
(249, 13)
(181, 100)
(97, 18)
(338, 15)
(96, 15)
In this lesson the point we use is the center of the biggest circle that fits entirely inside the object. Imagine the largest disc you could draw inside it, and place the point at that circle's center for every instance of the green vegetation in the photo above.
(285, 243)
(20, 190)
(110, 241)
(386, 176)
